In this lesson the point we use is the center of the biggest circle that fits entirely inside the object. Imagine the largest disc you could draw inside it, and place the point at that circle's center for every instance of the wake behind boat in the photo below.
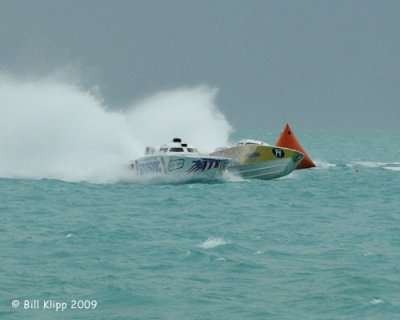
(259, 160)
(178, 162)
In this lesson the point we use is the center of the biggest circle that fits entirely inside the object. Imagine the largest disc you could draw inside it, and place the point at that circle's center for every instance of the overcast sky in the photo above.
(314, 64)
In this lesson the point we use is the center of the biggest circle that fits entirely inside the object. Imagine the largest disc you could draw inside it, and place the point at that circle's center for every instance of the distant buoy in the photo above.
(289, 140)
(357, 170)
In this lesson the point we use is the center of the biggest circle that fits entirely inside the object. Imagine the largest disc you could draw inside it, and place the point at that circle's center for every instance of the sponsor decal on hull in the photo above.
(207, 164)
(176, 164)
(149, 166)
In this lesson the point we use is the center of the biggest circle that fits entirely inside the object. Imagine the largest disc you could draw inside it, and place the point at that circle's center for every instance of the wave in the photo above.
(369, 164)
(229, 176)
(394, 166)
(391, 165)
(293, 175)
(323, 164)
(213, 243)
(376, 301)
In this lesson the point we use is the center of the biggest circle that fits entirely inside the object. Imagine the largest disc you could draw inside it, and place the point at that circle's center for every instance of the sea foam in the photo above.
(376, 301)
(212, 243)
(323, 164)
(392, 168)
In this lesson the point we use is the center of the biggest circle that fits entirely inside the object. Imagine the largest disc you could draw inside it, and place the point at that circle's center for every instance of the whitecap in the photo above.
(221, 259)
(392, 168)
(376, 301)
(69, 235)
(324, 165)
(212, 243)
(370, 164)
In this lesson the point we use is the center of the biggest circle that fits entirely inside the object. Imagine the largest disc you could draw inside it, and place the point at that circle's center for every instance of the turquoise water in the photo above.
(319, 244)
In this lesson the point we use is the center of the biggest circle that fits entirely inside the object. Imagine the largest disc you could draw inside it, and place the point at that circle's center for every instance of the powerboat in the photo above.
(178, 162)
(259, 160)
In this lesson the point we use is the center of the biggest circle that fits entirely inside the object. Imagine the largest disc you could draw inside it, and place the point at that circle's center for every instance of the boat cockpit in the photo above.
(175, 147)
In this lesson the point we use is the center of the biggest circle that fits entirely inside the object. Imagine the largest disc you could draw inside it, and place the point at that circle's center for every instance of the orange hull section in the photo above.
(289, 140)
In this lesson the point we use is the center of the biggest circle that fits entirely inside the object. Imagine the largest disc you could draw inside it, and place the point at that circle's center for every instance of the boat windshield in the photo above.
(176, 150)
(191, 150)
(251, 142)
(163, 149)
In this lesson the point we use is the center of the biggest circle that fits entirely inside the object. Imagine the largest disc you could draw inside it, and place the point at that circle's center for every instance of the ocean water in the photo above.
(322, 243)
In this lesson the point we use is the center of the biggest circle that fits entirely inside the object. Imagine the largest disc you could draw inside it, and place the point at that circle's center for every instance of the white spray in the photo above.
(52, 129)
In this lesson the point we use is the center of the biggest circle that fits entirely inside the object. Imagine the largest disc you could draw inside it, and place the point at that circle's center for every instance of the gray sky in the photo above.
(314, 64)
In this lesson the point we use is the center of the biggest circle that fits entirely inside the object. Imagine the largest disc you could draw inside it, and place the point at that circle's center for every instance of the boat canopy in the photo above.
(177, 147)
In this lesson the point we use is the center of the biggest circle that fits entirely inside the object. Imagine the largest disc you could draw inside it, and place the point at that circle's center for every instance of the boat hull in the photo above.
(178, 169)
(261, 162)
